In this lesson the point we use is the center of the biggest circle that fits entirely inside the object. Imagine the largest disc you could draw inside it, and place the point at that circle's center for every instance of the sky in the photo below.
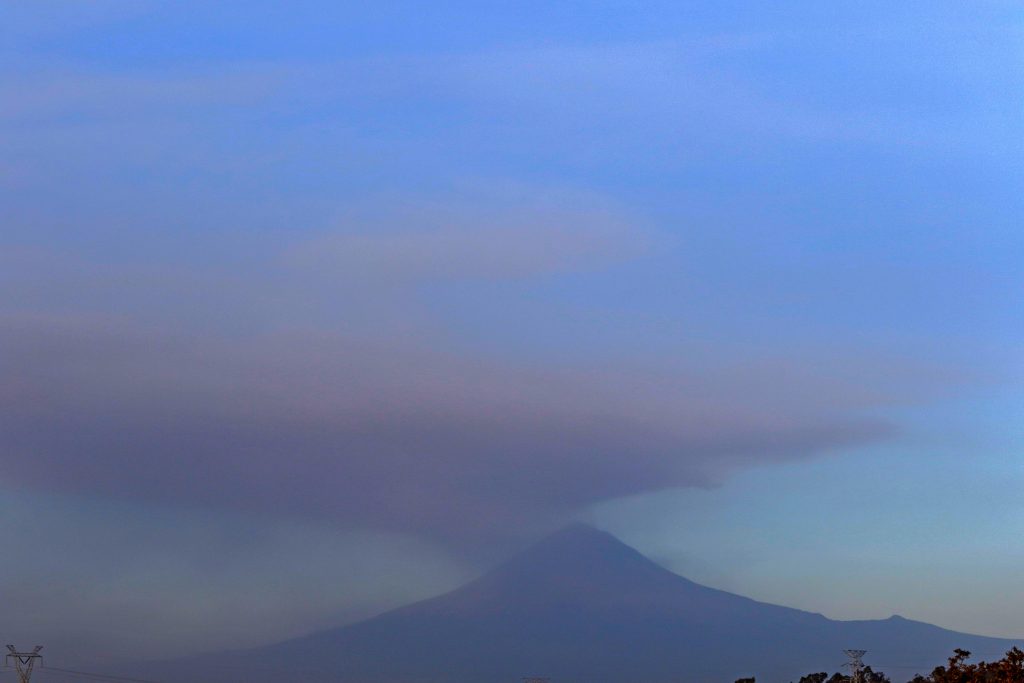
(311, 309)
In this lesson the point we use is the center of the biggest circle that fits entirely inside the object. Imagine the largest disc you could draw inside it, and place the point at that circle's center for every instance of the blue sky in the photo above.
(396, 289)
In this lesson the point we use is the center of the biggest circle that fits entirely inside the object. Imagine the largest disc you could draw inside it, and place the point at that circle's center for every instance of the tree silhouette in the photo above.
(1009, 669)
(819, 677)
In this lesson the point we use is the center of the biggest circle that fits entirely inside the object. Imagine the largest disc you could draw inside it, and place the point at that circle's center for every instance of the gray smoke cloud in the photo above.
(396, 438)
(320, 381)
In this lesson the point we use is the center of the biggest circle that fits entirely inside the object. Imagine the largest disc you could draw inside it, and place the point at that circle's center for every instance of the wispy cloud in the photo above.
(434, 244)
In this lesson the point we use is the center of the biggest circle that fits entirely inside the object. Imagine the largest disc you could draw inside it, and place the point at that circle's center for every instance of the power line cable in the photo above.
(88, 674)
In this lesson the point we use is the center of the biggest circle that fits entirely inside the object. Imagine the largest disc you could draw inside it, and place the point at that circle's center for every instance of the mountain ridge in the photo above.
(580, 605)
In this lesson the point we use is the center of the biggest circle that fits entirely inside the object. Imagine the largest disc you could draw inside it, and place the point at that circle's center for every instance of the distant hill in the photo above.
(582, 607)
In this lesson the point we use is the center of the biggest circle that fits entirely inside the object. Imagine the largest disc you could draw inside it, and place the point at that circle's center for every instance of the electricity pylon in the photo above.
(856, 664)
(24, 662)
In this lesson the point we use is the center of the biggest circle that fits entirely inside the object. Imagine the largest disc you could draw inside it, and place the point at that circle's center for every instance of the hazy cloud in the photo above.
(398, 438)
(453, 245)
(117, 573)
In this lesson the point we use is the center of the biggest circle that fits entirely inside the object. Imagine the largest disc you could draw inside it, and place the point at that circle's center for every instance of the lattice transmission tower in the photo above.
(24, 662)
(855, 665)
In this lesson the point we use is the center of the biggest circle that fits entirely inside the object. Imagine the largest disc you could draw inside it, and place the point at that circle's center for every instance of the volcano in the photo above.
(581, 606)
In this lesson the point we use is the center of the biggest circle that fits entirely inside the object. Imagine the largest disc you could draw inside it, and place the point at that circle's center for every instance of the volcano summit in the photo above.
(581, 606)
